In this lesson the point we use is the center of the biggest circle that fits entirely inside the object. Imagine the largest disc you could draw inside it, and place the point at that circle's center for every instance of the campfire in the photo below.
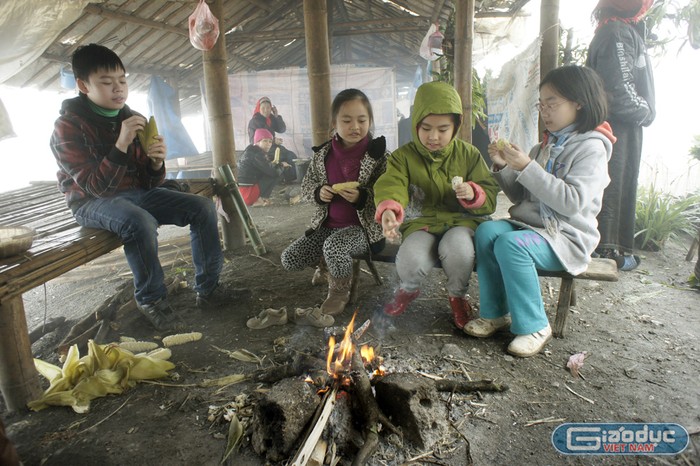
(333, 408)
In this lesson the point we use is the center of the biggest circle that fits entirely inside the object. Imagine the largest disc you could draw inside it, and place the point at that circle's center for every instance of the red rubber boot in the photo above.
(402, 299)
(461, 311)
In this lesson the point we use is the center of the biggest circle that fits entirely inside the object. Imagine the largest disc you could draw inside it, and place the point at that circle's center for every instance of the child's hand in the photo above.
(157, 152)
(350, 194)
(326, 194)
(464, 191)
(496, 155)
(515, 158)
(127, 133)
(390, 226)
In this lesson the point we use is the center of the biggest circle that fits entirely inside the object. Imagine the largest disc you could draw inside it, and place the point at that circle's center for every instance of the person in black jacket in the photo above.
(265, 116)
(618, 53)
(257, 176)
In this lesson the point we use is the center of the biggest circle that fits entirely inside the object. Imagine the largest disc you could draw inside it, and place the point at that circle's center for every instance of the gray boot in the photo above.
(338, 295)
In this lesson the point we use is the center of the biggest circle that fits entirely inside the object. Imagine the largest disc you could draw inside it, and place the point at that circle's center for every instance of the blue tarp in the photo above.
(161, 101)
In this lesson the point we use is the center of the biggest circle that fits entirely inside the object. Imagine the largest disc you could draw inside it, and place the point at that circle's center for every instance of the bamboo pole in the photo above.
(464, 39)
(221, 124)
(318, 67)
(549, 30)
(19, 379)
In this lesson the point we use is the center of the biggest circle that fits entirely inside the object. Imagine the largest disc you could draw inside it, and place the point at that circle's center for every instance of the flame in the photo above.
(331, 351)
(345, 350)
(367, 353)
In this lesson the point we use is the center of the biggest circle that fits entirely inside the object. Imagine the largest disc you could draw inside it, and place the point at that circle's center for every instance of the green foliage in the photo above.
(661, 216)
(571, 53)
(695, 148)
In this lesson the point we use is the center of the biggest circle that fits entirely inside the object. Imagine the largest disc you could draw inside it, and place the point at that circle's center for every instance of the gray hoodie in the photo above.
(574, 192)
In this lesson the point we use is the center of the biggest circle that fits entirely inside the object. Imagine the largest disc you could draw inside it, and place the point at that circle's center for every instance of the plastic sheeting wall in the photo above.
(28, 27)
(512, 97)
(289, 91)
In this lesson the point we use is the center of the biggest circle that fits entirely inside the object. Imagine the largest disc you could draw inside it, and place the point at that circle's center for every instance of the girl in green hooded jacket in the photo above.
(434, 193)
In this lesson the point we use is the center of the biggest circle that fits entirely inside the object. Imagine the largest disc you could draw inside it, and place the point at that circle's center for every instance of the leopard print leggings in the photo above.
(335, 244)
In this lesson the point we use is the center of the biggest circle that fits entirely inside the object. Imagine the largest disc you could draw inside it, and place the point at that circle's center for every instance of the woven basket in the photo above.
(15, 240)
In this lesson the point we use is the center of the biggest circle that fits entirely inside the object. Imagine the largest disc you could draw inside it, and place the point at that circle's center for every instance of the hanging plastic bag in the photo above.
(431, 46)
(204, 27)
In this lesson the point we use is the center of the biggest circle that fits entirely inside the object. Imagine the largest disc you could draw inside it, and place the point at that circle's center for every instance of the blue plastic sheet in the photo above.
(161, 101)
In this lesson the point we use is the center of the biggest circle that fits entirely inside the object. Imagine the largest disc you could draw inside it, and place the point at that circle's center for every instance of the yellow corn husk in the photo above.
(347, 185)
(276, 160)
(138, 346)
(106, 369)
(148, 133)
(181, 338)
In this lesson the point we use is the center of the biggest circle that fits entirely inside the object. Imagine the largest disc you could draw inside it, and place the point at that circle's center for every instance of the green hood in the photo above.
(440, 98)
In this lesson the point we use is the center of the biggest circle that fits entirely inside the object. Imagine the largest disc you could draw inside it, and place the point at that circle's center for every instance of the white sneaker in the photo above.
(529, 345)
(482, 327)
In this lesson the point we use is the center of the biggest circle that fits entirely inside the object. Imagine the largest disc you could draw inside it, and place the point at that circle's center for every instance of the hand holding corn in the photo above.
(510, 155)
(462, 190)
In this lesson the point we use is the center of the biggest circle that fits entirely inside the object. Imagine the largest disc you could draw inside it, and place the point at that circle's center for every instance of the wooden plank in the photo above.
(60, 246)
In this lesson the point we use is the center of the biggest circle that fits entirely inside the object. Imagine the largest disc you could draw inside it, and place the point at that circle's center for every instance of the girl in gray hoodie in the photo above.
(557, 191)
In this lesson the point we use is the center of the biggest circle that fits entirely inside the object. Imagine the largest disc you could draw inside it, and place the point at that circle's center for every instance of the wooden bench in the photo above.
(598, 269)
(60, 245)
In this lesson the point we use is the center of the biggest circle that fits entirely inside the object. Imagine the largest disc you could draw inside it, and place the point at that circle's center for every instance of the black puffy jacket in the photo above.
(617, 52)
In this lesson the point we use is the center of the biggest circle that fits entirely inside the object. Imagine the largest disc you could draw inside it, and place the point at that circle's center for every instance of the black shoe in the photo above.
(161, 315)
(606, 253)
(220, 296)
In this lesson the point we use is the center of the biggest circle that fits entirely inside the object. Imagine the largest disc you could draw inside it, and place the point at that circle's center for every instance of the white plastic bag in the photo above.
(204, 27)
(431, 46)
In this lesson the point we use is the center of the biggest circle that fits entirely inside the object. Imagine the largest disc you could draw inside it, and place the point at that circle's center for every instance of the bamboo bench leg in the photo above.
(19, 379)
(566, 291)
(355, 280)
(375, 274)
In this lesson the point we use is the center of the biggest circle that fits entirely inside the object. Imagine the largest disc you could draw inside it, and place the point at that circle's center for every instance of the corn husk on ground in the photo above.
(106, 369)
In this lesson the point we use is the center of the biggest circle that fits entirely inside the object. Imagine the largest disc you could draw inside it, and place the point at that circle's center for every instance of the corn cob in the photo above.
(347, 185)
(147, 134)
(502, 144)
(122, 339)
(160, 353)
(181, 338)
(456, 181)
(138, 346)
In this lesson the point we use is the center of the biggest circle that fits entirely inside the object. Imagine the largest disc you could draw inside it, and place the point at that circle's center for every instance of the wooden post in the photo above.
(221, 124)
(19, 379)
(549, 30)
(464, 40)
(318, 67)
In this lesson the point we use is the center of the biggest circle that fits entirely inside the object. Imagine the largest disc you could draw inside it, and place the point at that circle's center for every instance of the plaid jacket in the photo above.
(90, 165)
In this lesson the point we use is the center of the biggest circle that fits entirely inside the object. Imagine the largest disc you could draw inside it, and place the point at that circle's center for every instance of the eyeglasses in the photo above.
(549, 107)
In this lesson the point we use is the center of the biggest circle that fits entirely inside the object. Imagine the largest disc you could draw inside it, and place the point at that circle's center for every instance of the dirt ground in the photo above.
(640, 335)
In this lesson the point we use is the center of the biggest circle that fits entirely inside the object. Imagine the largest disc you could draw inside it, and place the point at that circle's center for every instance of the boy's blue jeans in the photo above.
(135, 216)
(507, 260)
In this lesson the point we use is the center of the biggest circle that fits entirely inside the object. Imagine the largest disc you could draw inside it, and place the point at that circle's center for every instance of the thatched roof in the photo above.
(151, 37)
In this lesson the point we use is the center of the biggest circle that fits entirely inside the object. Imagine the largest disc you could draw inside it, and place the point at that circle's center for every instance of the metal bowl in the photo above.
(15, 240)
